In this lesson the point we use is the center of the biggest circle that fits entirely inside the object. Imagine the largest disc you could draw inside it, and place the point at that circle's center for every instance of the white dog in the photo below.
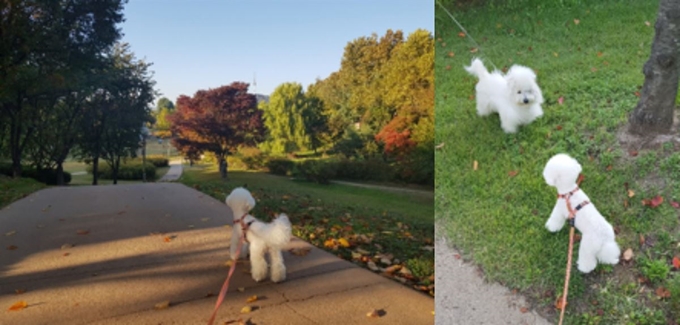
(260, 237)
(516, 96)
(597, 241)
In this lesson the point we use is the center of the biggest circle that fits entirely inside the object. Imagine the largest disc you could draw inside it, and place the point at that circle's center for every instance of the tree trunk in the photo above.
(654, 111)
(95, 169)
(114, 170)
(223, 167)
(60, 173)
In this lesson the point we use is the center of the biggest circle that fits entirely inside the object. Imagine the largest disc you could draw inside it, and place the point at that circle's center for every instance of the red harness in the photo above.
(244, 226)
(572, 212)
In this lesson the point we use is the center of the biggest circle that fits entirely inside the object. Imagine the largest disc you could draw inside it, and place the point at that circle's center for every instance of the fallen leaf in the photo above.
(523, 310)
(560, 100)
(642, 240)
(329, 243)
(10, 233)
(656, 201)
(576, 21)
(451, 54)
(555, 54)
(475, 165)
(609, 168)
(19, 305)
(676, 262)
(300, 251)
(83, 232)
(343, 242)
(513, 173)
(456, 256)
(392, 269)
(371, 265)
(675, 204)
(241, 289)
(474, 50)
(19, 291)
(628, 254)
(11, 247)
(559, 128)
(162, 305)
(246, 309)
(558, 303)
(448, 67)
(633, 153)
(593, 69)
(439, 146)
(229, 263)
(251, 299)
(631, 193)
(66, 254)
(205, 219)
(662, 293)
(461, 34)
(599, 54)
(647, 23)
(373, 314)
(637, 93)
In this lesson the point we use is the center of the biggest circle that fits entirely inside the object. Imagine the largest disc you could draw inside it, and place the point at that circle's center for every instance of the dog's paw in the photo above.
(552, 227)
(586, 267)
(258, 274)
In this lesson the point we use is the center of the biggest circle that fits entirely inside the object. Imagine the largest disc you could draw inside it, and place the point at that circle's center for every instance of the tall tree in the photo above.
(284, 118)
(39, 41)
(164, 108)
(217, 120)
(654, 111)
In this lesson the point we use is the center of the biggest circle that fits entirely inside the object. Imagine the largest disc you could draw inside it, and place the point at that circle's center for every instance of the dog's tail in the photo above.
(478, 69)
(276, 233)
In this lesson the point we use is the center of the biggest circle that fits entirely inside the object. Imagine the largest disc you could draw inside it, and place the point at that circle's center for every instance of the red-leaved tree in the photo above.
(217, 120)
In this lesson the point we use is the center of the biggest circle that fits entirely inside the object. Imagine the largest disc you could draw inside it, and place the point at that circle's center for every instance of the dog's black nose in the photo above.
(526, 101)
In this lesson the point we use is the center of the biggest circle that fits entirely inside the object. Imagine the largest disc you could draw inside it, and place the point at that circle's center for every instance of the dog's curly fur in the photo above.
(263, 237)
(598, 239)
(516, 96)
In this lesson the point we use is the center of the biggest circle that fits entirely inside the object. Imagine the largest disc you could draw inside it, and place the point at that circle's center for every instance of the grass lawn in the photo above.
(361, 225)
(588, 56)
(13, 189)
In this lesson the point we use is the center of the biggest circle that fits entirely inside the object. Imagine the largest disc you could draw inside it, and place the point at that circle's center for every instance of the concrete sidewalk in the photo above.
(174, 172)
(120, 265)
(464, 298)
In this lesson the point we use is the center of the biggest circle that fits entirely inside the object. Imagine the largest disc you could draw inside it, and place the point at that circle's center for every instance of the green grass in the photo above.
(376, 221)
(497, 220)
(14, 189)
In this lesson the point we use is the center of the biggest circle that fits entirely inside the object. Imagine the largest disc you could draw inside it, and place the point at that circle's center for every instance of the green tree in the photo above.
(284, 119)
(164, 108)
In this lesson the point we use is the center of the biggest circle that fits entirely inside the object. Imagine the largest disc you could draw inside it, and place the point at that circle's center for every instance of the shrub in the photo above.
(281, 166)
(46, 176)
(157, 160)
(364, 170)
(131, 170)
(316, 170)
(234, 163)
(253, 158)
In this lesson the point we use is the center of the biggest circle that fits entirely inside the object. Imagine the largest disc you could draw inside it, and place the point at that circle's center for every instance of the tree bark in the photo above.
(654, 111)
(95, 169)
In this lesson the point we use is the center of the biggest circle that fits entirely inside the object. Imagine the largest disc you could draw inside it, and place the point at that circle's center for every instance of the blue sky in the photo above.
(202, 44)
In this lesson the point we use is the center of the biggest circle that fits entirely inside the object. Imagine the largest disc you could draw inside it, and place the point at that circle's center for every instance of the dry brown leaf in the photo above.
(302, 251)
(241, 289)
(648, 24)
(676, 262)
(11, 247)
(19, 305)
(229, 263)
(475, 165)
(631, 193)
(251, 299)
(373, 314)
(523, 310)
(371, 265)
(474, 50)
(10, 233)
(513, 173)
(558, 303)
(162, 305)
(451, 54)
(577, 21)
(599, 54)
(19, 291)
(662, 293)
(83, 231)
(628, 254)
(66, 246)
(246, 309)
(439, 146)
(461, 34)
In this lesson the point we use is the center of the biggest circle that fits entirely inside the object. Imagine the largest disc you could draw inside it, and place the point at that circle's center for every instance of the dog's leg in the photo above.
(258, 265)
(278, 267)
(483, 105)
(557, 218)
(609, 253)
(587, 260)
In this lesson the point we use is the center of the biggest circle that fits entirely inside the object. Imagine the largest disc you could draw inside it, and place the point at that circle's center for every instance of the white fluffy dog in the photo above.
(516, 96)
(597, 241)
(261, 237)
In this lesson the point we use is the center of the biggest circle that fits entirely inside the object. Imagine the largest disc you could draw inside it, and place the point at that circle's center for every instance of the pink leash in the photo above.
(225, 286)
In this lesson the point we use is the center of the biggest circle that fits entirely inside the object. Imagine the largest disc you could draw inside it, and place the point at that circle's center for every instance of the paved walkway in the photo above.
(174, 172)
(464, 298)
(107, 254)
(386, 188)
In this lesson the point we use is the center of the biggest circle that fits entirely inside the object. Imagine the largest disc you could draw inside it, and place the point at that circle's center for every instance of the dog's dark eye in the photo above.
(519, 91)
